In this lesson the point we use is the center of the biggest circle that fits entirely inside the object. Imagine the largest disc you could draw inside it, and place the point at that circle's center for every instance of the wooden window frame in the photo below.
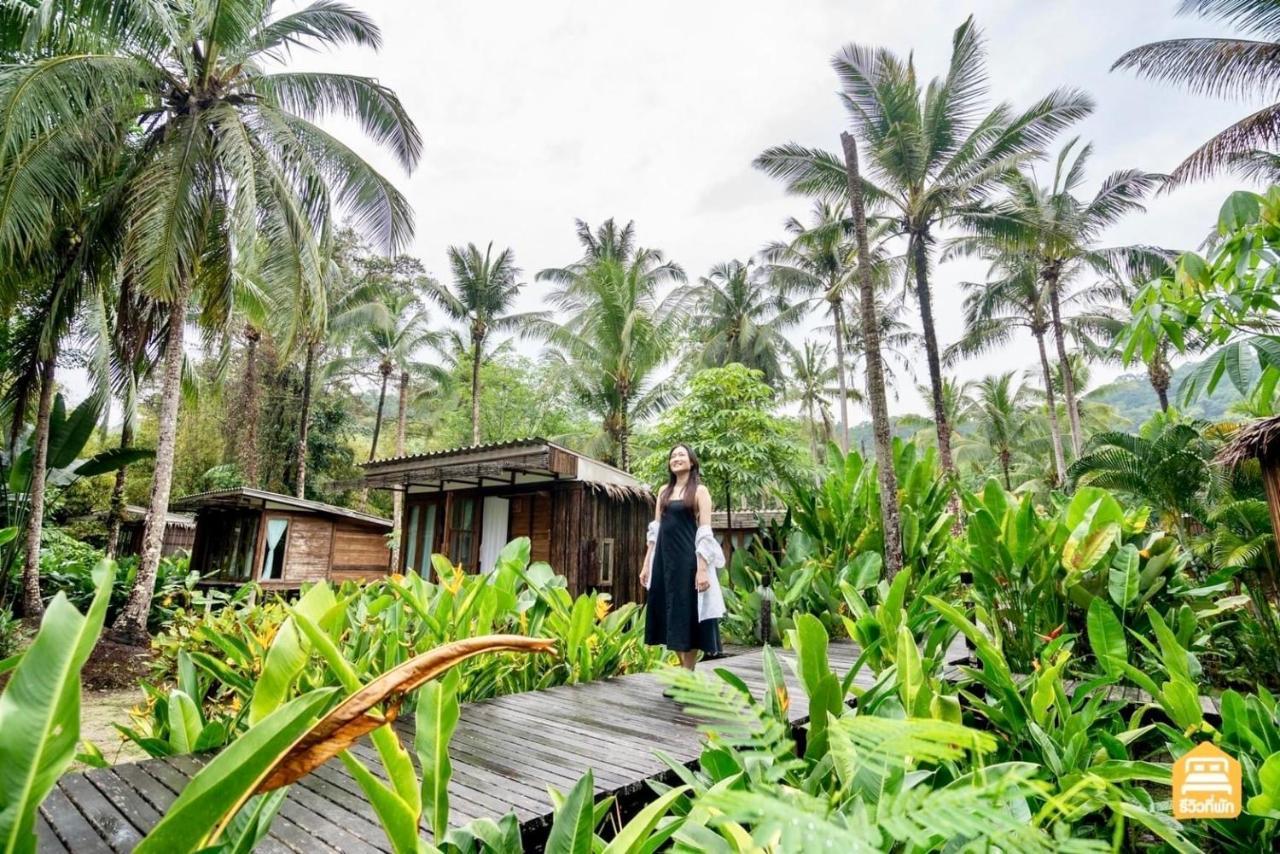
(605, 570)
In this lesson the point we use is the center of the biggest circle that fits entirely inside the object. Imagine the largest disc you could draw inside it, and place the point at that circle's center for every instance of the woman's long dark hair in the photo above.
(690, 496)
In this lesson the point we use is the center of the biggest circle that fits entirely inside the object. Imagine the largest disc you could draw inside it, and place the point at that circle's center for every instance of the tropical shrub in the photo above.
(217, 653)
(834, 539)
(67, 566)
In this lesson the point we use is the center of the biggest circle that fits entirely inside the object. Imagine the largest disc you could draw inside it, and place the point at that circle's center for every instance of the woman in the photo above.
(685, 602)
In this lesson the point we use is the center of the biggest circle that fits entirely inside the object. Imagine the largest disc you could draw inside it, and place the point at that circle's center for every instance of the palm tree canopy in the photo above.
(220, 157)
(738, 316)
(1226, 68)
(933, 152)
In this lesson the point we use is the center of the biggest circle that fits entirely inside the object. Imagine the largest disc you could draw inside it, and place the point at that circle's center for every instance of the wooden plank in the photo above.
(72, 828)
(132, 805)
(118, 832)
(46, 838)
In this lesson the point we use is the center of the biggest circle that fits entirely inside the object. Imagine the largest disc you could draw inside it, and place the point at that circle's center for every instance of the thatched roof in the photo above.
(1257, 440)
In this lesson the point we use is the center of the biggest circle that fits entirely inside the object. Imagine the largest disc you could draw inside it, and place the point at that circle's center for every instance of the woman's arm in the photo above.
(647, 563)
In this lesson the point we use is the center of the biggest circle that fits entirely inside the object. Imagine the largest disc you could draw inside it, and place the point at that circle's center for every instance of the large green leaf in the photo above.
(573, 828)
(288, 653)
(1122, 583)
(437, 719)
(638, 834)
(185, 721)
(1106, 637)
(40, 710)
(810, 640)
(214, 795)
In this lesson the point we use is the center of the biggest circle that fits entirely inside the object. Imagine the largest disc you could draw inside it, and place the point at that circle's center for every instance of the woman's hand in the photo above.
(644, 575)
(702, 581)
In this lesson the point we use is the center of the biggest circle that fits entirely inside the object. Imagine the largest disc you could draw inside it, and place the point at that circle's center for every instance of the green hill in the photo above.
(1133, 397)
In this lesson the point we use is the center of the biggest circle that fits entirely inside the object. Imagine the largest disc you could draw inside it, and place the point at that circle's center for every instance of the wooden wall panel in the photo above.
(359, 551)
(310, 542)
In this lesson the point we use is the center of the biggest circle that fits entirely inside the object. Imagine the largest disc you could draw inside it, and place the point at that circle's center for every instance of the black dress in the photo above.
(672, 616)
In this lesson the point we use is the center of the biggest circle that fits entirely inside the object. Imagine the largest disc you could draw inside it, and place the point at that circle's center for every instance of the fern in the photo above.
(736, 721)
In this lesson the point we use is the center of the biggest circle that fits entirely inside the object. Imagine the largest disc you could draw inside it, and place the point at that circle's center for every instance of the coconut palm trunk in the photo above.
(249, 409)
(920, 260)
(1068, 380)
(476, 350)
(385, 370)
(1004, 467)
(1159, 377)
(304, 425)
(32, 604)
(131, 625)
(1055, 432)
(397, 496)
(875, 368)
(834, 302)
(115, 516)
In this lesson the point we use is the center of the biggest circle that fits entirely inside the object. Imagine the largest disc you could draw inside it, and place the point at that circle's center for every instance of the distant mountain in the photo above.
(1134, 399)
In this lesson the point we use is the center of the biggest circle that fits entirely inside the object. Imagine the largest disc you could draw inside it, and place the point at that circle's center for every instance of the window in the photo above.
(273, 551)
(463, 532)
(606, 561)
(228, 542)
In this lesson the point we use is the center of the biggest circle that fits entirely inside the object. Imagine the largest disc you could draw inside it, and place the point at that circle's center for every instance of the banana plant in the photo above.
(40, 710)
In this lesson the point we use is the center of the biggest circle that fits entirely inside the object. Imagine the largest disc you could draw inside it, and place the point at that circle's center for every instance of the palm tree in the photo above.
(1166, 465)
(934, 157)
(1061, 231)
(393, 345)
(812, 376)
(619, 330)
(221, 161)
(993, 312)
(484, 290)
(821, 260)
(1000, 419)
(1229, 68)
(739, 317)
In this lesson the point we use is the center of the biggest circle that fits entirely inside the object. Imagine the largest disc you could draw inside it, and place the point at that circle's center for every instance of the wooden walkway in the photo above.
(505, 752)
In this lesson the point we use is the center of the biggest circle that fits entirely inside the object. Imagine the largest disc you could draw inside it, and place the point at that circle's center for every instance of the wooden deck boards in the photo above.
(506, 752)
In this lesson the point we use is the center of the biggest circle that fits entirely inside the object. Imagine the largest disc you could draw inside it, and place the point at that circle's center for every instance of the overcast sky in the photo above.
(534, 114)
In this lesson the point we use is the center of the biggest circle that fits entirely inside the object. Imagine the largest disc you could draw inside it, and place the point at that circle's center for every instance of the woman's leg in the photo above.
(688, 658)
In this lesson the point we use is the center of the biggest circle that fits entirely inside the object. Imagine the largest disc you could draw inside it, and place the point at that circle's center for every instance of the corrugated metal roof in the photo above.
(248, 492)
(528, 441)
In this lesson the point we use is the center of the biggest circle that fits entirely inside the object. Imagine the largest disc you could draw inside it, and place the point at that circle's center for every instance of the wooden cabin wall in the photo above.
(359, 552)
(581, 519)
(309, 544)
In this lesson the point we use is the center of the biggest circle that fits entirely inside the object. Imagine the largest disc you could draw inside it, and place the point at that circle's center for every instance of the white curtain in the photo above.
(493, 531)
(275, 530)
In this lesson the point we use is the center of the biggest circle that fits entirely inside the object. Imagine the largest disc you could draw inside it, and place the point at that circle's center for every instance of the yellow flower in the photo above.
(524, 623)
(454, 584)
(397, 578)
(602, 608)
(593, 641)
(235, 702)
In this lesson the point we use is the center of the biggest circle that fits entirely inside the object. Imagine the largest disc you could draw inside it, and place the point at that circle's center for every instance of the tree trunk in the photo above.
(32, 604)
(475, 393)
(115, 516)
(377, 417)
(1054, 430)
(1158, 374)
(624, 437)
(834, 303)
(875, 368)
(304, 426)
(920, 259)
(397, 496)
(1004, 465)
(131, 625)
(1068, 380)
(249, 409)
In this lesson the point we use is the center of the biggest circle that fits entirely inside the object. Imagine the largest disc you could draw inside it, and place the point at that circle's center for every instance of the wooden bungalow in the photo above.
(584, 517)
(246, 534)
(738, 530)
(1259, 440)
(179, 531)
